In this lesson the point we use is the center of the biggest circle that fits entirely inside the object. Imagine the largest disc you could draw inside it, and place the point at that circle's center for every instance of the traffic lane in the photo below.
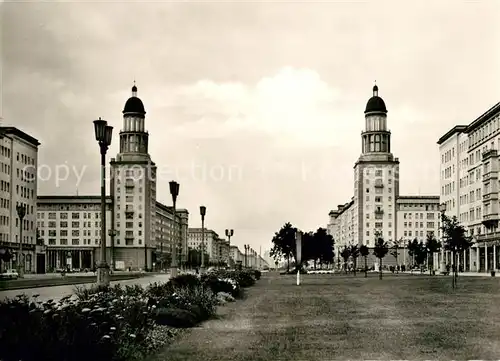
(57, 292)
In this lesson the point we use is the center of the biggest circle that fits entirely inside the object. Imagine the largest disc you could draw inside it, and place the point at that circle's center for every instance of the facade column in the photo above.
(478, 251)
(465, 260)
(470, 259)
(485, 258)
(494, 266)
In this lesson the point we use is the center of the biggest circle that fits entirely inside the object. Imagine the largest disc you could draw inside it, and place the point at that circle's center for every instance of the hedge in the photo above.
(113, 323)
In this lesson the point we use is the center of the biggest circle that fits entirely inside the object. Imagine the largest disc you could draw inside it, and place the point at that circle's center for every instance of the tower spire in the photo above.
(134, 90)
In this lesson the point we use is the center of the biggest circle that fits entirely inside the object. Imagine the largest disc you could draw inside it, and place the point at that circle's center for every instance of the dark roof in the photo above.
(455, 129)
(134, 104)
(19, 133)
(375, 103)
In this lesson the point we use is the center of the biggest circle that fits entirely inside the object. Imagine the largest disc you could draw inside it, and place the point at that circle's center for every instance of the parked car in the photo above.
(10, 274)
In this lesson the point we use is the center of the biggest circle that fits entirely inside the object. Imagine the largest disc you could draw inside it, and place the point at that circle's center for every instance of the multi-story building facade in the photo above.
(133, 190)
(236, 255)
(376, 204)
(210, 242)
(141, 230)
(70, 226)
(167, 233)
(469, 186)
(18, 186)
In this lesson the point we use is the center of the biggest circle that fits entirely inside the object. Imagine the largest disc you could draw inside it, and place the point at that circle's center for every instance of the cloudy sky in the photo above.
(255, 108)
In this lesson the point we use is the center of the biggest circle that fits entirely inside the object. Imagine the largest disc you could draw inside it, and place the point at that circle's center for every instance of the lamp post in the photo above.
(103, 135)
(442, 209)
(21, 212)
(112, 233)
(174, 191)
(203, 211)
(229, 234)
(247, 247)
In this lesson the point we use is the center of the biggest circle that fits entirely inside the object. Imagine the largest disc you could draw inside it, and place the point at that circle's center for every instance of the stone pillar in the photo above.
(477, 258)
(464, 260)
(494, 267)
(485, 258)
(470, 259)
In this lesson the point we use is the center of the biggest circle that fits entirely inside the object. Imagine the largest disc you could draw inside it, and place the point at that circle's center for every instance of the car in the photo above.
(10, 274)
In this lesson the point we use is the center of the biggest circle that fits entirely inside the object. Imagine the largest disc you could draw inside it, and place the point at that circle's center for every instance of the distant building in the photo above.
(18, 186)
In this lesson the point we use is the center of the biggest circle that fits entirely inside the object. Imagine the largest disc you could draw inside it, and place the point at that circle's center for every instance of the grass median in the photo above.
(346, 317)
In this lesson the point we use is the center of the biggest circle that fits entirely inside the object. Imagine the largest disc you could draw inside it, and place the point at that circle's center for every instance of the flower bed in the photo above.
(113, 323)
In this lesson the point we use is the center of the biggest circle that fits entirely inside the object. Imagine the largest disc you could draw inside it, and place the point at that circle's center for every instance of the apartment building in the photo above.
(469, 186)
(210, 243)
(18, 186)
(166, 233)
(377, 207)
(70, 227)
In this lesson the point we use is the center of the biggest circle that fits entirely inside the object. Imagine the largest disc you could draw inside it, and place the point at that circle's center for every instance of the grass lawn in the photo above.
(333, 317)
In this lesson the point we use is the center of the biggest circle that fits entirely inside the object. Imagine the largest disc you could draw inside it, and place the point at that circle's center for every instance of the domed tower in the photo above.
(133, 137)
(133, 191)
(376, 138)
(376, 175)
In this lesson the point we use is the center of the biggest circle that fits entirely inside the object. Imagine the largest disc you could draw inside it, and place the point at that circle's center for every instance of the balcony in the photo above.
(379, 183)
(490, 220)
(490, 175)
(129, 209)
(490, 153)
(129, 183)
(487, 237)
(490, 196)
(379, 211)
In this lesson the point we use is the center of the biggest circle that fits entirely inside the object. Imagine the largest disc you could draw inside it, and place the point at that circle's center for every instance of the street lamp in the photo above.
(174, 191)
(203, 211)
(21, 212)
(229, 234)
(442, 209)
(247, 247)
(103, 135)
(112, 233)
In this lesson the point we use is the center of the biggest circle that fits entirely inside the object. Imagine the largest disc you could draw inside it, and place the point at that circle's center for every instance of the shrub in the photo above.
(185, 280)
(257, 274)
(111, 323)
(175, 317)
(220, 285)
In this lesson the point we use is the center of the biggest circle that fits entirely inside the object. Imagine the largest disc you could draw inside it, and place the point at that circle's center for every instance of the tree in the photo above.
(284, 243)
(325, 244)
(345, 256)
(420, 255)
(433, 246)
(456, 240)
(364, 251)
(380, 251)
(395, 250)
(354, 253)
(412, 247)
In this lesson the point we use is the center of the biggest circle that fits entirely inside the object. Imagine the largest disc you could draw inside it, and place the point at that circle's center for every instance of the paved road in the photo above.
(57, 292)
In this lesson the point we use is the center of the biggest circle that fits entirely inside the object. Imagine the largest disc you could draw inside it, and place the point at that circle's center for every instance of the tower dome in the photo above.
(375, 103)
(134, 104)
